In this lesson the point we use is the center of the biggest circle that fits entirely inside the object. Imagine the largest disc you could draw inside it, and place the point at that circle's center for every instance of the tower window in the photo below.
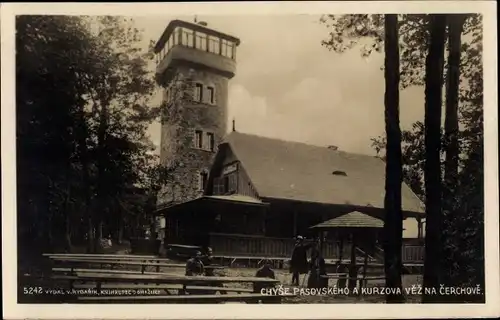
(211, 141)
(198, 92)
(201, 41)
(211, 95)
(214, 45)
(187, 38)
(198, 139)
(223, 47)
(203, 178)
(229, 50)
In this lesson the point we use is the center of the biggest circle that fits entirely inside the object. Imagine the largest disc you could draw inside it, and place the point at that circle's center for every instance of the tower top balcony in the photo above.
(197, 45)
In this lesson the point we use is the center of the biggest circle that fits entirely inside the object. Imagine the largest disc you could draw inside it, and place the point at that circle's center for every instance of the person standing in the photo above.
(317, 267)
(298, 262)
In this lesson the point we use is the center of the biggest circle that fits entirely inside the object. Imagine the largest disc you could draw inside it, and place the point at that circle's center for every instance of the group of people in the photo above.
(316, 266)
(195, 266)
(299, 265)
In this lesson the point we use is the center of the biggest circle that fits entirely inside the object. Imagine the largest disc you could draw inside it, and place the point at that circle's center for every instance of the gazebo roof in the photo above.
(353, 219)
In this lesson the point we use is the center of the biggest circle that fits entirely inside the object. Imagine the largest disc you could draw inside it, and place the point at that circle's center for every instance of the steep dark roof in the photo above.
(297, 171)
(353, 219)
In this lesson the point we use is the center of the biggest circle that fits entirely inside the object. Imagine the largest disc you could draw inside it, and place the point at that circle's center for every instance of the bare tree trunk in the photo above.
(393, 225)
(68, 232)
(84, 160)
(452, 148)
(101, 171)
(101, 235)
(120, 230)
(455, 26)
(433, 188)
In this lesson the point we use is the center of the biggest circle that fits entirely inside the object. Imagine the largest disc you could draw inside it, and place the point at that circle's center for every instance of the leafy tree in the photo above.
(118, 87)
(83, 87)
(48, 96)
(366, 32)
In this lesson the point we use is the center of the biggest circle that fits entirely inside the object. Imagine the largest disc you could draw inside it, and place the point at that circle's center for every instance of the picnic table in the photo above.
(103, 279)
(100, 277)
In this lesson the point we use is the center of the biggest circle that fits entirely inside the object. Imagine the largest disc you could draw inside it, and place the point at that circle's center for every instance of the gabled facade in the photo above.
(275, 175)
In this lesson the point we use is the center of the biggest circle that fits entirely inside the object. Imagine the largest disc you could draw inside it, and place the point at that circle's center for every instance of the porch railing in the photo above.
(260, 246)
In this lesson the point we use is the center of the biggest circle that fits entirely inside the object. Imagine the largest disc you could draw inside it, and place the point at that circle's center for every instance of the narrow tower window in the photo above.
(203, 178)
(211, 95)
(198, 139)
(211, 141)
(198, 92)
(167, 95)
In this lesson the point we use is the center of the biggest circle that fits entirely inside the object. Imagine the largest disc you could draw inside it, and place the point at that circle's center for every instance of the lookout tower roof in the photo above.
(191, 26)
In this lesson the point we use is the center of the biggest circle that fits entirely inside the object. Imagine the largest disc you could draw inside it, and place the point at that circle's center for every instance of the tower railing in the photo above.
(199, 41)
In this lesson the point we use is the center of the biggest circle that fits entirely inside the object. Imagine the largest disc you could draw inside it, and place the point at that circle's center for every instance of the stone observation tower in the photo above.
(193, 68)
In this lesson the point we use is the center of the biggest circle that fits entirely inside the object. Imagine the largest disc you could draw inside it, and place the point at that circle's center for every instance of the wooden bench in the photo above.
(101, 256)
(142, 264)
(105, 271)
(363, 281)
(165, 287)
(99, 279)
(247, 298)
(160, 278)
(334, 275)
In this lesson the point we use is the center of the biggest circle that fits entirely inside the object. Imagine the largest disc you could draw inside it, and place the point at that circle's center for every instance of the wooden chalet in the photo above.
(261, 192)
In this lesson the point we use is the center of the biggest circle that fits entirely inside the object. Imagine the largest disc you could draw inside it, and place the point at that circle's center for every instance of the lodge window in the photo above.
(227, 184)
(198, 92)
(198, 139)
(211, 95)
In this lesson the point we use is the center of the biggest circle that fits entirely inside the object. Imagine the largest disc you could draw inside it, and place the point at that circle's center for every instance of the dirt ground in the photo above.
(285, 278)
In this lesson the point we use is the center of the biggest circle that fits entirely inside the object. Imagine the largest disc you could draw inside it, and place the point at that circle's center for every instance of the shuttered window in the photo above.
(227, 184)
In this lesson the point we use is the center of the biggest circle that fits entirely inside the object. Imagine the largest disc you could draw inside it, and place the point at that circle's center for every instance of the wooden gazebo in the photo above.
(360, 228)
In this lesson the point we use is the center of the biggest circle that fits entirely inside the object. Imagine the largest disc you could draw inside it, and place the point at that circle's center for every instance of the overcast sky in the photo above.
(288, 86)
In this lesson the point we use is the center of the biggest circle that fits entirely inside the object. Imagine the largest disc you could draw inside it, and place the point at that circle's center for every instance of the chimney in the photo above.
(333, 147)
